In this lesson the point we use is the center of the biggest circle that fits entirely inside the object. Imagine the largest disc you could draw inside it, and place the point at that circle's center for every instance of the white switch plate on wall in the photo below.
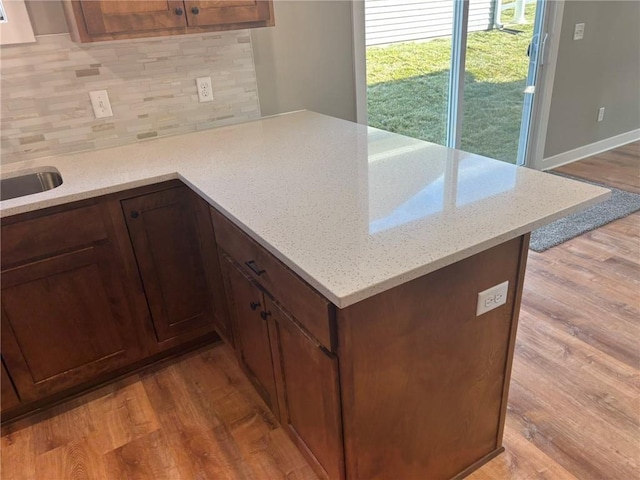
(101, 104)
(578, 31)
(492, 298)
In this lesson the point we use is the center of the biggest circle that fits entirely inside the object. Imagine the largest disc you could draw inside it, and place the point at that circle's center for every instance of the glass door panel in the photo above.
(459, 73)
(408, 60)
(496, 76)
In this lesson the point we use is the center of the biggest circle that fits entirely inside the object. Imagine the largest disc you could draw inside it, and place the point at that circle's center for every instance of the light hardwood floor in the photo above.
(574, 403)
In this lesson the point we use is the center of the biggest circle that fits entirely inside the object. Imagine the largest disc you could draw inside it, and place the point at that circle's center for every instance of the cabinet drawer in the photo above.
(308, 307)
(51, 234)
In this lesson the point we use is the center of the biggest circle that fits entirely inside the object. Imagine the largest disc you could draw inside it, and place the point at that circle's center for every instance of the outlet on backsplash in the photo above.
(101, 104)
(150, 82)
(205, 91)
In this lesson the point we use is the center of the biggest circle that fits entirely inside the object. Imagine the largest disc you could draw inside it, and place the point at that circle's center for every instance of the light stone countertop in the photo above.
(353, 210)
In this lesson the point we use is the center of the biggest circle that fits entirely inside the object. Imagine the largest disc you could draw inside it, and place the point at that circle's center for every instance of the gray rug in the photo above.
(619, 205)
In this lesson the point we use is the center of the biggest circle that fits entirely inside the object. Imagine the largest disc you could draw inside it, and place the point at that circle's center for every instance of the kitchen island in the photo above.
(380, 245)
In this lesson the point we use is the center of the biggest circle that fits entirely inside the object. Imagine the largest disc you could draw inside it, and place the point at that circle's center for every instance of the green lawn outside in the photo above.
(408, 89)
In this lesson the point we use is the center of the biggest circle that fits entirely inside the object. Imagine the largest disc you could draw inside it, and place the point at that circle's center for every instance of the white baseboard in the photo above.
(591, 149)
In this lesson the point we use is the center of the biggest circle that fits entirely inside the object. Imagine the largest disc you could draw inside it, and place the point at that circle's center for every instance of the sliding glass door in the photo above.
(459, 73)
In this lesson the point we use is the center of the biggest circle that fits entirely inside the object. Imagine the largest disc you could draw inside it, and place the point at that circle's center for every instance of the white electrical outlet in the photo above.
(601, 114)
(101, 104)
(205, 92)
(492, 298)
(578, 31)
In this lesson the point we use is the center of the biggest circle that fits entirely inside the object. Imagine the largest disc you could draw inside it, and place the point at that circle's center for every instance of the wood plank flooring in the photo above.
(574, 402)
(193, 418)
(619, 168)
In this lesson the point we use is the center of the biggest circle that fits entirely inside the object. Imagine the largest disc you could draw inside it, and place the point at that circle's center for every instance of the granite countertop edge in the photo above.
(198, 158)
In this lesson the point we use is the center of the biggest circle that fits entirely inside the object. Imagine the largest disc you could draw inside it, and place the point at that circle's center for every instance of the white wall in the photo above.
(306, 60)
(603, 69)
(47, 16)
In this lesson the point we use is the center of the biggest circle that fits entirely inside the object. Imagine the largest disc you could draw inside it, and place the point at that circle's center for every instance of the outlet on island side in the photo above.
(601, 114)
(205, 91)
(492, 298)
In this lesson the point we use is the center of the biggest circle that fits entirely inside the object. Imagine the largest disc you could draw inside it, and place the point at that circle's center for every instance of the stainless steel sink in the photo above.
(18, 185)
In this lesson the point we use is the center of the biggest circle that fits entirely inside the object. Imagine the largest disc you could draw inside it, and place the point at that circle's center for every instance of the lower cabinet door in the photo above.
(65, 321)
(9, 397)
(251, 333)
(164, 232)
(310, 391)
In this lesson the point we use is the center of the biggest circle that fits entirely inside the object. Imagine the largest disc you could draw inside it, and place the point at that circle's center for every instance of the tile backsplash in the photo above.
(151, 85)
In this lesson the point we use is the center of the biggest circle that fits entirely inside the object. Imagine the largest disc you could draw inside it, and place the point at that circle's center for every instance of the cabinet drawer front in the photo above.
(51, 234)
(308, 307)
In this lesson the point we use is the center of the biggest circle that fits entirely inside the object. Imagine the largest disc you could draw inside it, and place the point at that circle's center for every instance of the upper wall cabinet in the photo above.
(99, 20)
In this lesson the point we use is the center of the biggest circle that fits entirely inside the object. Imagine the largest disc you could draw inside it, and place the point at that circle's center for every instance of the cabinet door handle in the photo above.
(264, 315)
(254, 305)
(134, 214)
(253, 267)
(195, 10)
(179, 11)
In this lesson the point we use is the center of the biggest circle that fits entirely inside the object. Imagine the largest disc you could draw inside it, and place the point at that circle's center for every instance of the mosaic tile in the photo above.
(151, 84)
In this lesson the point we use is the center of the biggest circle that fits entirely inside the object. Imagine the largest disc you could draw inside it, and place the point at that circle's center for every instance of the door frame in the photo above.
(455, 100)
(359, 61)
(544, 87)
(536, 64)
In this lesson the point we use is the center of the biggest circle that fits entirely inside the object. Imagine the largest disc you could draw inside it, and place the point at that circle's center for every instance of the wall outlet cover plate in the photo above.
(492, 298)
(100, 103)
(205, 90)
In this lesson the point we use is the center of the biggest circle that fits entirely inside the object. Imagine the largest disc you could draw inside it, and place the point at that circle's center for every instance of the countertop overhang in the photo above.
(351, 209)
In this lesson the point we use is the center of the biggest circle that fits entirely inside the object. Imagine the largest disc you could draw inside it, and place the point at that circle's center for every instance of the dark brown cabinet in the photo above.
(8, 396)
(310, 393)
(166, 235)
(97, 288)
(98, 20)
(285, 346)
(65, 314)
(94, 289)
(251, 327)
(311, 309)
